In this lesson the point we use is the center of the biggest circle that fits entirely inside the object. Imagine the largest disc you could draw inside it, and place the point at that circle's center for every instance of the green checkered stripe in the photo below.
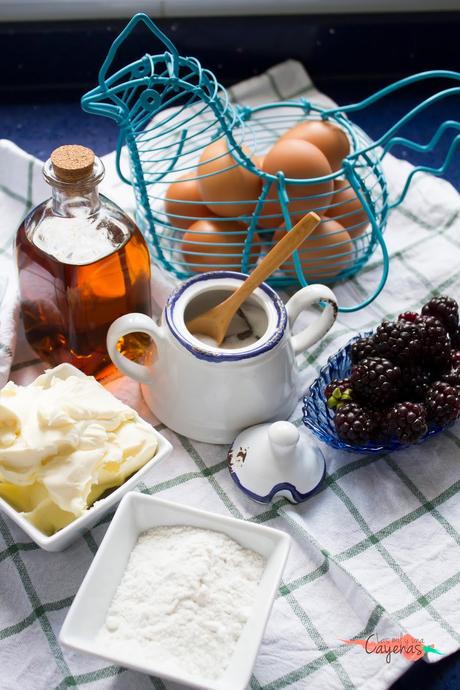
(358, 565)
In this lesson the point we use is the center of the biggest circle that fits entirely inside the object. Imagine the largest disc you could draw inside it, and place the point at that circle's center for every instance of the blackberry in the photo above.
(445, 309)
(362, 348)
(452, 377)
(399, 341)
(455, 357)
(415, 382)
(407, 421)
(436, 349)
(379, 430)
(375, 381)
(408, 316)
(455, 338)
(353, 423)
(442, 403)
(429, 320)
(337, 393)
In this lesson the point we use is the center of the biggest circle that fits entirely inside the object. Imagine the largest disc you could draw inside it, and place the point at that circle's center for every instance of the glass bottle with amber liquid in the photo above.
(82, 263)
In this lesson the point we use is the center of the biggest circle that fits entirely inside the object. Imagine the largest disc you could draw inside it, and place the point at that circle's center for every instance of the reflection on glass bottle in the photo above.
(82, 263)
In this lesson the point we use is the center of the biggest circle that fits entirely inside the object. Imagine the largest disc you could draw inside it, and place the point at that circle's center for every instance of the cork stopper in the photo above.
(72, 162)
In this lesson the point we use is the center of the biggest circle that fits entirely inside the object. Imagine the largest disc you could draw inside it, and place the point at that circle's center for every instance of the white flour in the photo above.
(183, 600)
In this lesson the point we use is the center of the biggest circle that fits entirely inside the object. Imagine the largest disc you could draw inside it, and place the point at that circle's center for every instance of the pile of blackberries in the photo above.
(404, 379)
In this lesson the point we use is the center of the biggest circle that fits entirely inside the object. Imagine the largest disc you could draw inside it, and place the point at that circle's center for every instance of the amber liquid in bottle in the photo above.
(78, 272)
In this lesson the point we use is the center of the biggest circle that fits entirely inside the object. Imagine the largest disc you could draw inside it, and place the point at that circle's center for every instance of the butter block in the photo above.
(63, 443)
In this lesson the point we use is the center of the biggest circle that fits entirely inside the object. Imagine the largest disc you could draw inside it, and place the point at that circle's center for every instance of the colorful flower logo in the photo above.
(410, 647)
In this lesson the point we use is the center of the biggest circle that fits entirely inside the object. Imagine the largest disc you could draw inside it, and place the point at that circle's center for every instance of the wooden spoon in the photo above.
(215, 321)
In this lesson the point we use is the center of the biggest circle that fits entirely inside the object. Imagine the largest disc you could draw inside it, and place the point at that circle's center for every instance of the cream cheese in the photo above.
(63, 442)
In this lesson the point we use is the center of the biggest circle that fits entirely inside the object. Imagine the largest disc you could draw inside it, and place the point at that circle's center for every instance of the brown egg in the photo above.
(227, 182)
(183, 198)
(301, 160)
(208, 247)
(323, 255)
(346, 208)
(329, 138)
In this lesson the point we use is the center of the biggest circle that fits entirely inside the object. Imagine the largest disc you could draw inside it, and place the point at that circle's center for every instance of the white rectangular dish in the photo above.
(137, 513)
(65, 536)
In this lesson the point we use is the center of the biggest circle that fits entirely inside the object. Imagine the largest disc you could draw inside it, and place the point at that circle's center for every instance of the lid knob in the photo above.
(284, 437)
(72, 162)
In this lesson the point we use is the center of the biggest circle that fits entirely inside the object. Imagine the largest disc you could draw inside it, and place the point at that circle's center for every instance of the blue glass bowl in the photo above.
(319, 418)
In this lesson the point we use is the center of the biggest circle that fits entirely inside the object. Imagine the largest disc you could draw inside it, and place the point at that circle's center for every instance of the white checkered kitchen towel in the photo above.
(375, 552)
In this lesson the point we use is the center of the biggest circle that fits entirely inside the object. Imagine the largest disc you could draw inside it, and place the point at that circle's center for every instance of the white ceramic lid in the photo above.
(276, 459)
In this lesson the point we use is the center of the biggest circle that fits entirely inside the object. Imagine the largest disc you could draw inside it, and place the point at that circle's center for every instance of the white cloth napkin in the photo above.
(375, 552)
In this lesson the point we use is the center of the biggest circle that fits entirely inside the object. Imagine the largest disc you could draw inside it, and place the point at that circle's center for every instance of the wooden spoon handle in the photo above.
(275, 257)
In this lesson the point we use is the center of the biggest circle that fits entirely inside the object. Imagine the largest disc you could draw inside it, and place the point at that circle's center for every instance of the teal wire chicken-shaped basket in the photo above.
(217, 185)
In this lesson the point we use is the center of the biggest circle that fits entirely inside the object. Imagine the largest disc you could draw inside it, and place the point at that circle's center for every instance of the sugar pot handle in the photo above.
(132, 323)
(301, 300)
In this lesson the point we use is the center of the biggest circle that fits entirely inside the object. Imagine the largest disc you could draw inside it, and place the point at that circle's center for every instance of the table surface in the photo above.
(39, 125)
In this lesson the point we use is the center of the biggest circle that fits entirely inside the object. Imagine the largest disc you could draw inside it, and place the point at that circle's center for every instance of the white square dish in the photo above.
(64, 537)
(137, 513)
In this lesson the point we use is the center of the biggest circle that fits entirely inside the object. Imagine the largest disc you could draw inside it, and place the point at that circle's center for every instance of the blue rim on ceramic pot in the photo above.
(210, 354)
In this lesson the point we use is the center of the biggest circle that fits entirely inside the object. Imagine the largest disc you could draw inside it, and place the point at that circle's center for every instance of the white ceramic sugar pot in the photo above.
(210, 393)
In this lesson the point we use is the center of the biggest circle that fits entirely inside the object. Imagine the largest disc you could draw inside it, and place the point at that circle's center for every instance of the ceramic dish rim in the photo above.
(213, 354)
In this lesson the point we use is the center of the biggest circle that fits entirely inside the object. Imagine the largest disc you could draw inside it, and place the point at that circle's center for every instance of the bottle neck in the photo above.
(78, 198)
(73, 203)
